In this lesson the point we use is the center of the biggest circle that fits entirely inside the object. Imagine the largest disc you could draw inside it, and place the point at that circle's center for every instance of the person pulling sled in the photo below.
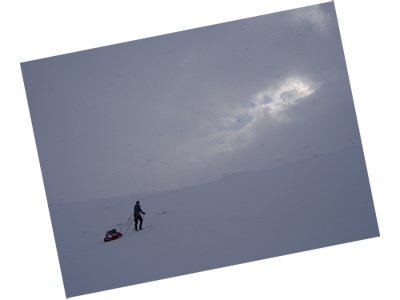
(137, 214)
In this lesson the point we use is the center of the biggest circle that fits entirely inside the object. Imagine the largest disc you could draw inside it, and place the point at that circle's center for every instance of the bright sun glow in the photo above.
(276, 100)
(240, 127)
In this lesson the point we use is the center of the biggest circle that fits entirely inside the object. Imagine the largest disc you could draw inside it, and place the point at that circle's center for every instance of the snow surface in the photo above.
(315, 202)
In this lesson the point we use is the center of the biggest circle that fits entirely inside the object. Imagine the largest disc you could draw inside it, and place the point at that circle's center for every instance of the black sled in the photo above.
(112, 235)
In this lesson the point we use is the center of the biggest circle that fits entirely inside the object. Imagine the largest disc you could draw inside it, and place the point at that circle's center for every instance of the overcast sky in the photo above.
(190, 107)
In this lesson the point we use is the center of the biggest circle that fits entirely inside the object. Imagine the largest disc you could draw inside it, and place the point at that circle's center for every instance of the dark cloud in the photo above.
(189, 107)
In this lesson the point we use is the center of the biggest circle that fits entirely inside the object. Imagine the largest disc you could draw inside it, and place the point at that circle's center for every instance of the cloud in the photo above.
(239, 128)
(277, 100)
(184, 108)
(316, 16)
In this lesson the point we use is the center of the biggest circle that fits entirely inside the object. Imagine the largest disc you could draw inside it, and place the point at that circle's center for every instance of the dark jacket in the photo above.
(137, 210)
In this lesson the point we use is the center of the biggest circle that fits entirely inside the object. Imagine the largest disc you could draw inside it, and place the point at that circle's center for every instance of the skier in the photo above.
(137, 213)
